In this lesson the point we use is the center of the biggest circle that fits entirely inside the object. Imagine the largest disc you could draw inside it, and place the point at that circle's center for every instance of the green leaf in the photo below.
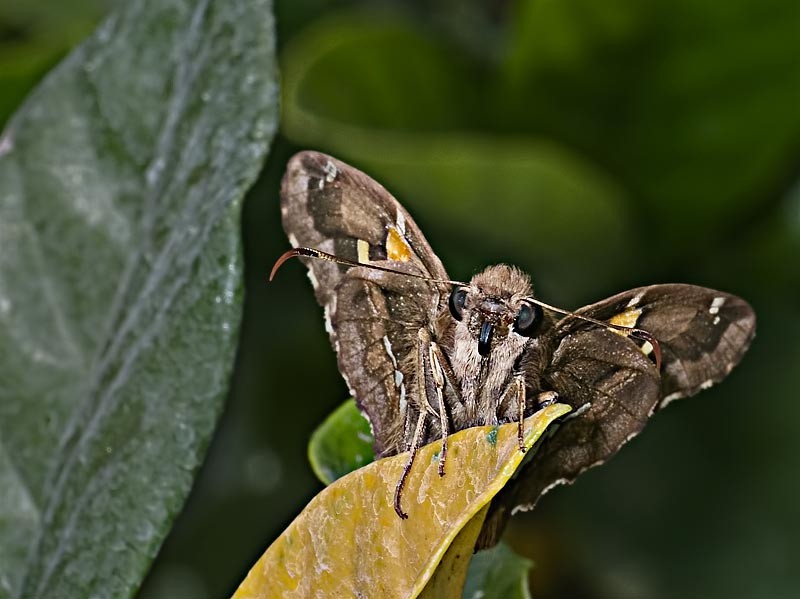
(121, 180)
(349, 542)
(341, 444)
(498, 573)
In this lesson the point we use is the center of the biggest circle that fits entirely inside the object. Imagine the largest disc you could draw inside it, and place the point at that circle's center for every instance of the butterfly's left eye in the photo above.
(458, 299)
(528, 319)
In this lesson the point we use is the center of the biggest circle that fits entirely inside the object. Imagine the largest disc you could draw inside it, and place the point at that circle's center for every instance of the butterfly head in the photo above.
(494, 309)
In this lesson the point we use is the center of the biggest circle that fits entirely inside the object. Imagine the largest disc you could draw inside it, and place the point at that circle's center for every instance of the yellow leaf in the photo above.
(450, 574)
(349, 542)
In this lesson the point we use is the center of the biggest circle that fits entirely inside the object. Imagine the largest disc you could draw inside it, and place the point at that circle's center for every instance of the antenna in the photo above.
(305, 252)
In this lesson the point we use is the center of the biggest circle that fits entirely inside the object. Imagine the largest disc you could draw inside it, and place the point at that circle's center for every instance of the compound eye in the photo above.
(528, 319)
(458, 298)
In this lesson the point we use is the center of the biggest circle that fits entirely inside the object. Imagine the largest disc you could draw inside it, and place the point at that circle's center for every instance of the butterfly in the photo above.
(425, 356)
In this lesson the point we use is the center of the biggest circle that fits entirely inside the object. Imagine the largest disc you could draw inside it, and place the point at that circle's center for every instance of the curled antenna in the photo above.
(305, 252)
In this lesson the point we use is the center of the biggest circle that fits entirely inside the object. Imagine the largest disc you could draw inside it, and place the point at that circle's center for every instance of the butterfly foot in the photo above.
(399, 511)
(397, 493)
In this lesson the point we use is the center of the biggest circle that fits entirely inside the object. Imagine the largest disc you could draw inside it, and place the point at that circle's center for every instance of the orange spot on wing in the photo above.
(627, 318)
(397, 247)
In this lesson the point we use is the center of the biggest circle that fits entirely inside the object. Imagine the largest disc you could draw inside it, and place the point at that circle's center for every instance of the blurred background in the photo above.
(597, 145)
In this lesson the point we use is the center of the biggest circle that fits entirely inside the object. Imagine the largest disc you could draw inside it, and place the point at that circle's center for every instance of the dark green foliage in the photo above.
(341, 444)
(121, 180)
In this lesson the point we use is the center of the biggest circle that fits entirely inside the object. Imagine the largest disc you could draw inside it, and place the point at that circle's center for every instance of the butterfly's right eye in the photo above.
(458, 298)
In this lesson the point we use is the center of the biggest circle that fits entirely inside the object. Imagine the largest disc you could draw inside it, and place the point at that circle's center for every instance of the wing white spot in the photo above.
(330, 171)
(329, 324)
(670, 398)
(729, 367)
(716, 304)
(706, 384)
(630, 436)
(635, 300)
(647, 348)
(525, 507)
(388, 345)
(401, 222)
(398, 376)
(363, 251)
(403, 401)
(313, 279)
(716, 320)
(582, 410)
(293, 240)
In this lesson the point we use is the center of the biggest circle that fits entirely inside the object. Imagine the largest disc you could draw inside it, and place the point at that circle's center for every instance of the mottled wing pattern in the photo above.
(613, 384)
(703, 333)
(372, 317)
(613, 388)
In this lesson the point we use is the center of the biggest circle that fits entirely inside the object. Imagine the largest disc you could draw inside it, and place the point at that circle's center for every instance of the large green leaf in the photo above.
(121, 180)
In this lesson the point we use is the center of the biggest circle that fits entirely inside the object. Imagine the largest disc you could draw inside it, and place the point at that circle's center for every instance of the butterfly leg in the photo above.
(424, 390)
(416, 442)
(514, 396)
(447, 372)
(432, 373)
(449, 411)
(438, 380)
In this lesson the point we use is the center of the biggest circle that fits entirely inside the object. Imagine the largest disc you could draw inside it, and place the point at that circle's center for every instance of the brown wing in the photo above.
(614, 388)
(372, 317)
(703, 333)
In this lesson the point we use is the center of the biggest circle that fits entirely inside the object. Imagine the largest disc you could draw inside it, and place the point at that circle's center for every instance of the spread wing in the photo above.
(613, 388)
(372, 317)
(613, 384)
(703, 333)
